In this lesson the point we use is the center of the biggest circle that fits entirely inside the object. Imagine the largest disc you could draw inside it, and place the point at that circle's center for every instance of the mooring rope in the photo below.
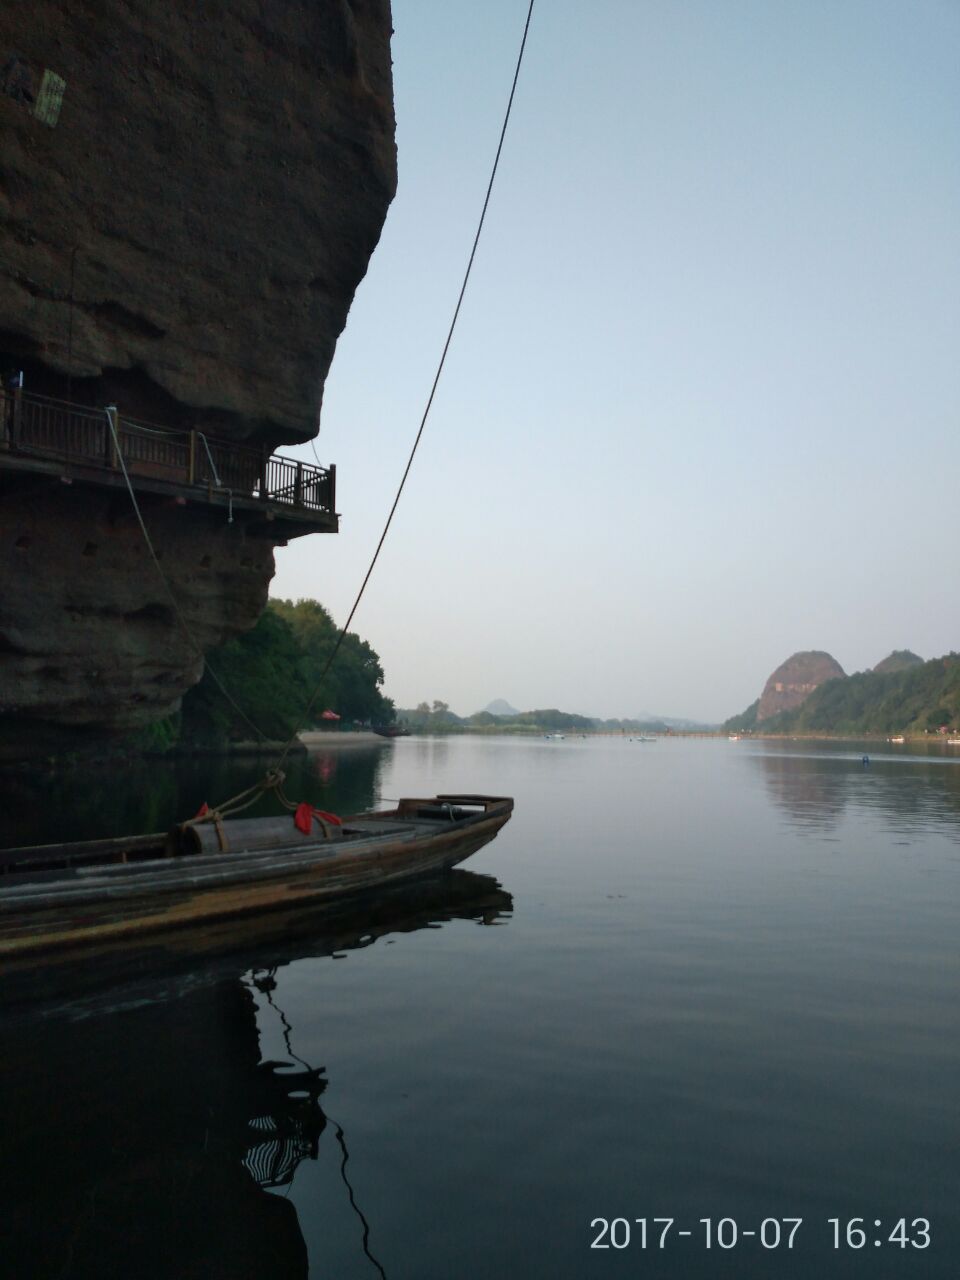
(264, 987)
(110, 413)
(266, 784)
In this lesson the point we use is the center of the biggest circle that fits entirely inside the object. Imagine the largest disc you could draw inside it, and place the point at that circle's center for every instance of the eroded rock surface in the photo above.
(209, 197)
(181, 234)
(794, 681)
(88, 635)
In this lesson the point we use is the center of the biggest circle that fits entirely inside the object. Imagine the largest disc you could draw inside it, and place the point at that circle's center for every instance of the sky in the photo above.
(701, 408)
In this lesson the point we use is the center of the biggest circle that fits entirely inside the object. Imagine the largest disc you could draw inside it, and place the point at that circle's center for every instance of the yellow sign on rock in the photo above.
(50, 98)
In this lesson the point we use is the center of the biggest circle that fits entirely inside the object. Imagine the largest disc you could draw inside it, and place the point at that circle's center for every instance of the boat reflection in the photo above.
(145, 1137)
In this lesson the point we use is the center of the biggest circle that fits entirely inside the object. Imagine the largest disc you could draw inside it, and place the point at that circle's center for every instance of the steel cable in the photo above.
(423, 421)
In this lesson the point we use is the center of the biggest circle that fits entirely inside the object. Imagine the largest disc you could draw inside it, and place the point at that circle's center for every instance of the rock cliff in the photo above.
(95, 645)
(189, 197)
(794, 681)
(188, 232)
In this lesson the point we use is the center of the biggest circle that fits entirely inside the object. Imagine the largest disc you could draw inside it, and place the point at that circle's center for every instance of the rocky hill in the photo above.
(899, 660)
(920, 699)
(909, 696)
(794, 681)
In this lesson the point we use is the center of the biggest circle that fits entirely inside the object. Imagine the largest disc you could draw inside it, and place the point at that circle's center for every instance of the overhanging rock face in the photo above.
(190, 194)
(88, 635)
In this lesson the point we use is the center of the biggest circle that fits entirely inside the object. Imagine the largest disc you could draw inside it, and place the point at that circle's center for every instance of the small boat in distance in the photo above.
(55, 898)
(390, 730)
(900, 738)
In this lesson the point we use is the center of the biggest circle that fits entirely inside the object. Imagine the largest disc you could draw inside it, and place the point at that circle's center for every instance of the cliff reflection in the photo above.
(143, 1135)
(911, 794)
(47, 806)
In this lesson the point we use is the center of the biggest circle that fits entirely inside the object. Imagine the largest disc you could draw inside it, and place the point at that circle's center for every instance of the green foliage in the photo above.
(438, 718)
(553, 719)
(899, 660)
(156, 738)
(633, 726)
(352, 686)
(916, 699)
(264, 675)
(424, 718)
(272, 671)
(744, 722)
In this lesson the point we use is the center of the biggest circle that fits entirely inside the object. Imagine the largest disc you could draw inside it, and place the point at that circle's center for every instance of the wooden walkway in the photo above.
(40, 434)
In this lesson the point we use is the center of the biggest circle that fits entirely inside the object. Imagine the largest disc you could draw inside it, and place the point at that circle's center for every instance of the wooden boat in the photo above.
(159, 966)
(390, 730)
(57, 897)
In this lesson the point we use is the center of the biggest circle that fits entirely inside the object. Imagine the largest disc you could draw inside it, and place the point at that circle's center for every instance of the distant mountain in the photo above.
(672, 722)
(788, 688)
(899, 660)
(794, 681)
(914, 698)
(500, 707)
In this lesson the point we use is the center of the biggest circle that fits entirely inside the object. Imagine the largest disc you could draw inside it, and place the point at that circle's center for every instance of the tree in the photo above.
(351, 685)
(261, 671)
(273, 672)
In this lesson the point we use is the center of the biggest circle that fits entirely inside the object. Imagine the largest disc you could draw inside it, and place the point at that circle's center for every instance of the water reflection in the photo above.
(144, 1136)
(911, 794)
(143, 795)
(811, 790)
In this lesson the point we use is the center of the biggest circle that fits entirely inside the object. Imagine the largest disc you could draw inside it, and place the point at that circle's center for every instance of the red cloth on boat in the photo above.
(305, 814)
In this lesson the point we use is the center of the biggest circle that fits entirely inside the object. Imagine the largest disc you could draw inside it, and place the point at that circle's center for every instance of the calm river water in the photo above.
(690, 980)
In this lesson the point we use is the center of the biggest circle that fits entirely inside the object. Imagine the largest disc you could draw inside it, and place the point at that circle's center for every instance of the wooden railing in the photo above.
(43, 427)
(53, 427)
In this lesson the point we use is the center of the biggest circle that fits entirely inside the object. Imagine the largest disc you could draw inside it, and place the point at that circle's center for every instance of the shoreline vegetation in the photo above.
(756, 735)
(271, 673)
(919, 702)
(437, 718)
(273, 669)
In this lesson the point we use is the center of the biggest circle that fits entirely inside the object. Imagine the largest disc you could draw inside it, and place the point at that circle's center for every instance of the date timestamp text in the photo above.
(771, 1233)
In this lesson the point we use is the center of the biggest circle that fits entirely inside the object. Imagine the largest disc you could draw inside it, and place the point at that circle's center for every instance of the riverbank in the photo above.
(317, 739)
(268, 747)
(905, 739)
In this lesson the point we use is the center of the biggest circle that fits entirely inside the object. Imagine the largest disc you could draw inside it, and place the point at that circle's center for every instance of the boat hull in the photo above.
(87, 906)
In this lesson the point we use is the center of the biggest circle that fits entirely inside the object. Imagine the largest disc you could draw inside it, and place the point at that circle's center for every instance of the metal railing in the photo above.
(56, 429)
